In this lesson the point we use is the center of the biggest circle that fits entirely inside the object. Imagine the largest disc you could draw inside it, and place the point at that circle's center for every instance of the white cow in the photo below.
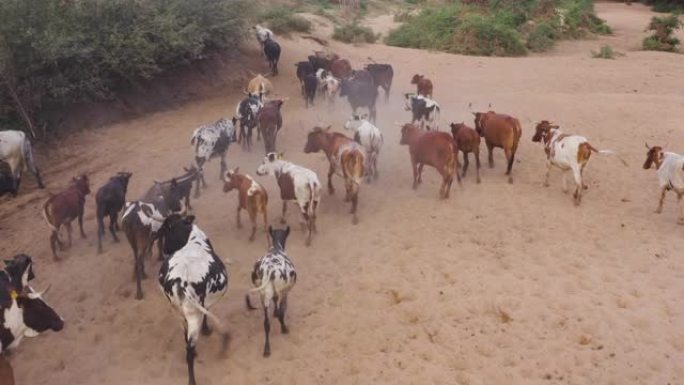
(15, 149)
(296, 184)
(332, 88)
(567, 152)
(262, 34)
(213, 140)
(370, 137)
(670, 171)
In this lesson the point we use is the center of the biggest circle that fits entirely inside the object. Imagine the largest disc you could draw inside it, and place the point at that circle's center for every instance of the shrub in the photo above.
(606, 52)
(485, 36)
(354, 33)
(663, 29)
(283, 21)
(543, 36)
(666, 6)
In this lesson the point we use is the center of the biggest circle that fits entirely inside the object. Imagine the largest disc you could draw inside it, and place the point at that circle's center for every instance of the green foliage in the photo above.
(666, 6)
(283, 20)
(498, 27)
(56, 51)
(663, 29)
(606, 52)
(354, 33)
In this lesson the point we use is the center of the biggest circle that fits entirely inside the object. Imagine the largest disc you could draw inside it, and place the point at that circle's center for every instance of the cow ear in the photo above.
(190, 219)
(236, 169)
(281, 155)
(328, 128)
(287, 231)
(173, 182)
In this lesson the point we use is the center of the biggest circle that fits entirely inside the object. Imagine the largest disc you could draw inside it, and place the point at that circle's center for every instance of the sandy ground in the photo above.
(501, 284)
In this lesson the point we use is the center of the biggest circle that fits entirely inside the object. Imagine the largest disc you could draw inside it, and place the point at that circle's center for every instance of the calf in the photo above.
(370, 137)
(363, 76)
(432, 148)
(670, 170)
(252, 197)
(423, 85)
(269, 121)
(15, 149)
(62, 208)
(7, 183)
(346, 158)
(141, 222)
(382, 76)
(502, 131)
(193, 279)
(304, 69)
(467, 140)
(273, 276)
(331, 87)
(310, 85)
(567, 152)
(296, 184)
(262, 34)
(340, 68)
(210, 141)
(423, 109)
(110, 199)
(272, 52)
(246, 113)
(360, 94)
(259, 86)
(183, 187)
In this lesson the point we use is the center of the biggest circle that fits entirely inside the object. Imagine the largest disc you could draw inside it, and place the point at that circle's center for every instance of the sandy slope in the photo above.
(502, 284)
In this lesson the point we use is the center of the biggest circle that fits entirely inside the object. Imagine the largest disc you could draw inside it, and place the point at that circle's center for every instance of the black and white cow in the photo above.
(273, 275)
(183, 185)
(212, 140)
(246, 113)
(16, 276)
(15, 149)
(110, 199)
(423, 109)
(193, 279)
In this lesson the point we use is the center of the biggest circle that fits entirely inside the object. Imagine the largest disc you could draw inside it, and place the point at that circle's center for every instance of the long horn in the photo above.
(42, 293)
(647, 146)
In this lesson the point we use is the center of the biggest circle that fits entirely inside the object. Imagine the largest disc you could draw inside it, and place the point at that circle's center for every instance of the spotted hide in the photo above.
(212, 140)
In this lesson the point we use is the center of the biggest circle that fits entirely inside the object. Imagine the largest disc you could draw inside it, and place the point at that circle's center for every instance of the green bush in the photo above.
(485, 36)
(354, 33)
(606, 52)
(55, 51)
(282, 21)
(543, 36)
(663, 29)
(666, 6)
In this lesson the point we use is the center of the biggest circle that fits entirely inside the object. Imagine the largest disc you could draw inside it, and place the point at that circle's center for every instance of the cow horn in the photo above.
(666, 146)
(40, 294)
(647, 146)
(157, 181)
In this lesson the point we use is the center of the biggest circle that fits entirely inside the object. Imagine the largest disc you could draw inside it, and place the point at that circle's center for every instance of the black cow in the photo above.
(304, 68)
(363, 76)
(382, 76)
(310, 86)
(16, 276)
(110, 199)
(360, 94)
(183, 185)
(272, 52)
(319, 62)
(247, 111)
(7, 183)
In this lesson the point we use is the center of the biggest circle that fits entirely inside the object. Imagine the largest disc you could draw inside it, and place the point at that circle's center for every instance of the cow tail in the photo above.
(48, 215)
(437, 111)
(217, 322)
(312, 194)
(452, 162)
(606, 152)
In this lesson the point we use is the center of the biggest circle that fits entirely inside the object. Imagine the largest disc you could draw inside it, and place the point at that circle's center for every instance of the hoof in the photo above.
(510, 180)
(355, 220)
(479, 180)
(680, 221)
(285, 330)
(282, 221)
(206, 332)
(658, 211)
(251, 239)
(239, 225)
(139, 296)
(267, 353)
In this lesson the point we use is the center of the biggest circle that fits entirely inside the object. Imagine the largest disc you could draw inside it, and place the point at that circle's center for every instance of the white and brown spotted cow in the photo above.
(251, 197)
(212, 140)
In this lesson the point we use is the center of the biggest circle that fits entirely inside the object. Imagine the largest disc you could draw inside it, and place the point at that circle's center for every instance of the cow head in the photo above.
(124, 177)
(455, 128)
(416, 78)
(654, 155)
(479, 122)
(279, 237)
(271, 164)
(317, 140)
(37, 315)
(231, 180)
(543, 131)
(175, 232)
(82, 184)
(20, 271)
(410, 99)
(354, 122)
(228, 126)
(173, 196)
(408, 132)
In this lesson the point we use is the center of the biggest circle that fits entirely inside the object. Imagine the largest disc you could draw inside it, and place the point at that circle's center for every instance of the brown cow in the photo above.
(436, 149)
(269, 121)
(6, 372)
(62, 208)
(502, 131)
(467, 140)
(251, 197)
(423, 85)
(346, 157)
(340, 68)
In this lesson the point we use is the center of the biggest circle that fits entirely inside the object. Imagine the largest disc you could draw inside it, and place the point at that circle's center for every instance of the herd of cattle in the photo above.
(192, 276)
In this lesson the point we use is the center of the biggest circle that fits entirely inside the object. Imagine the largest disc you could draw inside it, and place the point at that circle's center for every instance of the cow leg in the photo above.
(188, 207)
(490, 148)
(282, 218)
(308, 223)
(100, 230)
(477, 165)
(564, 182)
(510, 156)
(267, 329)
(465, 163)
(314, 228)
(681, 208)
(281, 314)
(68, 228)
(239, 223)
(355, 202)
(414, 167)
(80, 223)
(548, 173)
(113, 226)
(190, 354)
(577, 174)
(223, 166)
(205, 327)
(663, 191)
(252, 217)
(265, 215)
(420, 172)
(54, 241)
(331, 171)
(138, 272)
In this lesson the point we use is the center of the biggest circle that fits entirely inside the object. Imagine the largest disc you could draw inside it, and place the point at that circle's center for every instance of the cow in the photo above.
(467, 140)
(183, 186)
(272, 52)
(262, 34)
(110, 199)
(423, 110)
(246, 113)
(304, 69)
(370, 137)
(347, 159)
(259, 86)
(296, 184)
(432, 148)
(423, 85)
(310, 86)
(210, 141)
(340, 68)
(62, 208)
(273, 276)
(15, 149)
(193, 279)
(7, 183)
(567, 152)
(269, 122)
(360, 94)
(363, 76)
(670, 171)
(252, 197)
(331, 87)
(502, 131)
(15, 276)
(382, 76)
(320, 62)
(141, 222)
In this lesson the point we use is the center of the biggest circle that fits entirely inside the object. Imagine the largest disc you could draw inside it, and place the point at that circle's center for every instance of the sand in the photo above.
(501, 284)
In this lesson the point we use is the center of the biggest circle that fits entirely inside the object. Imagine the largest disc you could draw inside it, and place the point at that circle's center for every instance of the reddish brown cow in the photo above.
(62, 208)
(432, 148)
(251, 197)
(502, 131)
(423, 85)
(6, 373)
(340, 68)
(467, 140)
(346, 157)
(269, 121)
